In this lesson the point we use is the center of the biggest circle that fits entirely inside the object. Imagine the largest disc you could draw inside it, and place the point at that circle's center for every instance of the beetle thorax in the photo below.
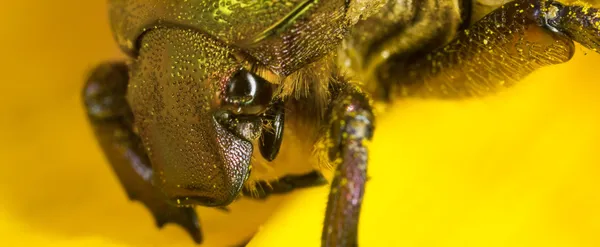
(282, 35)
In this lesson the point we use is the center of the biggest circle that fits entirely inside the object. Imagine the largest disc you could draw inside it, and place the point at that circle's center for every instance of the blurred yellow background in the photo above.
(518, 169)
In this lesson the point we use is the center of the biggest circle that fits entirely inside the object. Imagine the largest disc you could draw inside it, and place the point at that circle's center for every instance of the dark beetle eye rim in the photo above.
(246, 93)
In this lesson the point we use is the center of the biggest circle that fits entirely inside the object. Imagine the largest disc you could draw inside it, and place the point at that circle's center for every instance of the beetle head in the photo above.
(197, 112)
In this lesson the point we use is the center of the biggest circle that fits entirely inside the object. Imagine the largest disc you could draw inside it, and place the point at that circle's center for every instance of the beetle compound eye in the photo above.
(247, 93)
(245, 98)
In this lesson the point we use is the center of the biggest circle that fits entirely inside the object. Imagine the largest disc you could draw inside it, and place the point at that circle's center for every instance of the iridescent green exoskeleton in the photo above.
(219, 96)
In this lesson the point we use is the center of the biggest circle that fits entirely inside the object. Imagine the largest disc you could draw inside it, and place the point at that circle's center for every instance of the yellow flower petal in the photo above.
(518, 169)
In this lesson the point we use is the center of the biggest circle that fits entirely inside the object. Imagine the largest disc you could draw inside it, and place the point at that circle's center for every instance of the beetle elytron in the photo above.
(217, 88)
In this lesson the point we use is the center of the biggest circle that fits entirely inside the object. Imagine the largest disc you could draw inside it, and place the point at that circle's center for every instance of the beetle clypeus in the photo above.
(209, 81)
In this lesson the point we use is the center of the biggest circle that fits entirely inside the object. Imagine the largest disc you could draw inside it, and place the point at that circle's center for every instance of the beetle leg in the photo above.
(351, 126)
(496, 52)
(579, 22)
(286, 184)
(111, 118)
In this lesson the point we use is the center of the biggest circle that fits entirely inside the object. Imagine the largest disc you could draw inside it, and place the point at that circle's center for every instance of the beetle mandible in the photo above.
(216, 89)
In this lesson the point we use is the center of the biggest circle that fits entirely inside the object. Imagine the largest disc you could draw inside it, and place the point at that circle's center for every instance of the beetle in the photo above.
(217, 94)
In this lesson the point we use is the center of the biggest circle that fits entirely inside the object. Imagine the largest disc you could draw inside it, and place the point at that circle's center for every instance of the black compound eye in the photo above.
(247, 93)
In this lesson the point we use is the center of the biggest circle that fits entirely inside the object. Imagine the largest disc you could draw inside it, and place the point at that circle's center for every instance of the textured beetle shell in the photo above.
(282, 35)
(173, 84)
(231, 21)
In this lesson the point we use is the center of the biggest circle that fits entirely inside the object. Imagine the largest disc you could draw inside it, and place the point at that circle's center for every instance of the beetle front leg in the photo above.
(111, 118)
(497, 51)
(351, 126)
(579, 22)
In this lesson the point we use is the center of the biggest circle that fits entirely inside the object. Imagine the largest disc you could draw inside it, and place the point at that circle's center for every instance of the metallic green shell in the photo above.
(228, 20)
(284, 35)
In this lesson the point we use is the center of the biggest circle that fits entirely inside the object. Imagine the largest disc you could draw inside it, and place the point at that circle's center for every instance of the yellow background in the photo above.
(517, 169)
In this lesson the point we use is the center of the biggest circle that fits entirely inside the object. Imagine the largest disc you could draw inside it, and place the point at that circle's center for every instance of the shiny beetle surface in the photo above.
(218, 94)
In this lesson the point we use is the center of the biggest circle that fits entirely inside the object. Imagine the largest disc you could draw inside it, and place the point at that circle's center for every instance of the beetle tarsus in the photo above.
(352, 124)
(109, 113)
(580, 23)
